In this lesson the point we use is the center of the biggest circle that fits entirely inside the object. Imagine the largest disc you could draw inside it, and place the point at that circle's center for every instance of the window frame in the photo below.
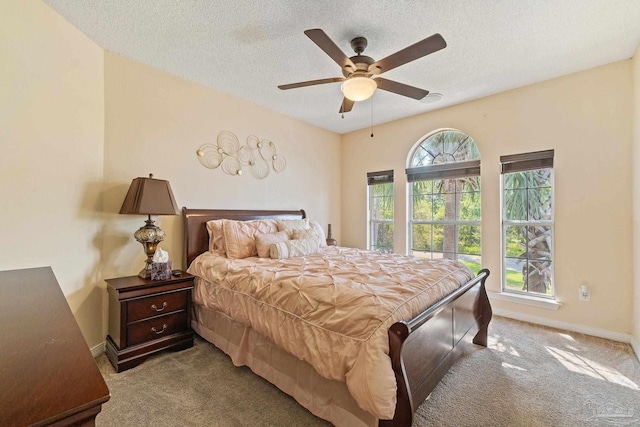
(456, 223)
(465, 167)
(522, 163)
(374, 179)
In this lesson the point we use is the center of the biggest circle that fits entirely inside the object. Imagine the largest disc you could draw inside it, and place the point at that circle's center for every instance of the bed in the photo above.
(420, 349)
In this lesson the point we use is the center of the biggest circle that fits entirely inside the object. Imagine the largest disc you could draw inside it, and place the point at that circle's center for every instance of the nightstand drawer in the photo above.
(156, 328)
(145, 308)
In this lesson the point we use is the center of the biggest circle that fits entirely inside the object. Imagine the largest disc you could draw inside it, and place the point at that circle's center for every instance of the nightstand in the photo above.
(147, 316)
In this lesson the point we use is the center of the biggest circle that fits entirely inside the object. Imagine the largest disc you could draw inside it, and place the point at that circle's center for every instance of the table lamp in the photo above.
(149, 196)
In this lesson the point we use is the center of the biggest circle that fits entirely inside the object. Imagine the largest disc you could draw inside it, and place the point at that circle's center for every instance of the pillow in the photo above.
(239, 238)
(293, 248)
(304, 234)
(216, 237)
(264, 241)
(292, 224)
(322, 238)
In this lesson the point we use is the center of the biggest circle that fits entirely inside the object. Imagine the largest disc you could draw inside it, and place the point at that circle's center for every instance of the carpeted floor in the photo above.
(529, 376)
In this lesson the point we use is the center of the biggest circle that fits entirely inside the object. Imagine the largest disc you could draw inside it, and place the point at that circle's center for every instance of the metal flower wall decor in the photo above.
(227, 154)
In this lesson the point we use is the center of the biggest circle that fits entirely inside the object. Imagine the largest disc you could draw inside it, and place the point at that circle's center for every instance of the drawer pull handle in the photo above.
(164, 305)
(164, 328)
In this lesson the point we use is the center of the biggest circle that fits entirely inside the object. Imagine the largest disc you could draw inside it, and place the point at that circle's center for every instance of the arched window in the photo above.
(443, 175)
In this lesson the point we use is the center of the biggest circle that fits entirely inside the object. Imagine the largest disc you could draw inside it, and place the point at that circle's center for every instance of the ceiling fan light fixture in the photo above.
(358, 88)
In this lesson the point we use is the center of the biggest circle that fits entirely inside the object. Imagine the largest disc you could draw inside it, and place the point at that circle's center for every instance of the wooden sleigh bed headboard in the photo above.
(196, 237)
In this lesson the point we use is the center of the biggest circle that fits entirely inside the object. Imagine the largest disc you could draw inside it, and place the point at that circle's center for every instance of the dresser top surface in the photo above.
(46, 369)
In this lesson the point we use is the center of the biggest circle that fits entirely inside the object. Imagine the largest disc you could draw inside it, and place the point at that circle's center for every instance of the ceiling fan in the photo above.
(358, 82)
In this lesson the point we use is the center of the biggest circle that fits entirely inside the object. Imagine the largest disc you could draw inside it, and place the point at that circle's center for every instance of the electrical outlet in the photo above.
(584, 294)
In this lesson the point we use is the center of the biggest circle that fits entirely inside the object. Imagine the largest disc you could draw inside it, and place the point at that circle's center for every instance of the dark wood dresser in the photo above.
(147, 316)
(47, 373)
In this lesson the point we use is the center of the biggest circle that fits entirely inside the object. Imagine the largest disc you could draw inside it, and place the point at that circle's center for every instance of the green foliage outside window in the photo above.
(438, 200)
(528, 218)
(381, 217)
(446, 212)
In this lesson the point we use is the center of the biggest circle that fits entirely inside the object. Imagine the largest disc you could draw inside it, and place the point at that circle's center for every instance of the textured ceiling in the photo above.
(248, 48)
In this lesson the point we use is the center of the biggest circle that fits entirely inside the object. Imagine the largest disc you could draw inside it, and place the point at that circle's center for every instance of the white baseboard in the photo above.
(97, 350)
(587, 330)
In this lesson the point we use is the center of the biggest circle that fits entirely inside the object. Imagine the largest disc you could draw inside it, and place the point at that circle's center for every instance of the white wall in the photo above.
(586, 118)
(51, 139)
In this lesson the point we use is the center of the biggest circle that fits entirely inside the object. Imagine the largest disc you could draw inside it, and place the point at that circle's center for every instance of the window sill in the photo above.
(526, 300)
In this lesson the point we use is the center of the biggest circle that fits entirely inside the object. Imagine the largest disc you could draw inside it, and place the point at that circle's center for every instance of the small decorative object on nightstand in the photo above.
(330, 241)
(147, 316)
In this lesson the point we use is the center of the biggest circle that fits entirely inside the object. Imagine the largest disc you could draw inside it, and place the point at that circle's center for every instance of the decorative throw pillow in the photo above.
(304, 234)
(264, 241)
(293, 248)
(292, 224)
(322, 238)
(239, 238)
(216, 236)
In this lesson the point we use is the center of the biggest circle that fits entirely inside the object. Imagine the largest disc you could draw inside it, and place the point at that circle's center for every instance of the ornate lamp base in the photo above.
(150, 236)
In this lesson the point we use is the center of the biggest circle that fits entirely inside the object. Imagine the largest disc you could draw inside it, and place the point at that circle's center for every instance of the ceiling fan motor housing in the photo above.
(361, 62)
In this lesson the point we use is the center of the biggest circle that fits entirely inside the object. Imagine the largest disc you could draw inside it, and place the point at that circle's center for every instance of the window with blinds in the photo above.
(528, 223)
(380, 201)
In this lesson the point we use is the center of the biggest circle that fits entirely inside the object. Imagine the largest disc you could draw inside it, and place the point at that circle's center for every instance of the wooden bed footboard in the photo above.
(423, 349)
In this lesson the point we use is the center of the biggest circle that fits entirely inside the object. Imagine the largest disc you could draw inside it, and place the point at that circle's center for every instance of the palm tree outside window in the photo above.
(527, 223)
(443, 175)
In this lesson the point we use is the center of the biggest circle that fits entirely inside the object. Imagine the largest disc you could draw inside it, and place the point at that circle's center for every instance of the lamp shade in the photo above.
(358, 88)
(149, 196)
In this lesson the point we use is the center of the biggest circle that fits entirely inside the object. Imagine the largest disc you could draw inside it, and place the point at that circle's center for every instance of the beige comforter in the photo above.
(331, 309)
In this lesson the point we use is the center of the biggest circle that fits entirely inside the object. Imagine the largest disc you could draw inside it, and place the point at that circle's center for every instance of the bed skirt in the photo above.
(325, 398)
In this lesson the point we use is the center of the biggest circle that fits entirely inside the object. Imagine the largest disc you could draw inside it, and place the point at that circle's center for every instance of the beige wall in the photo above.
(78, 124)
(155, 122)
(636, 199)
(586, 118)
(51, 139)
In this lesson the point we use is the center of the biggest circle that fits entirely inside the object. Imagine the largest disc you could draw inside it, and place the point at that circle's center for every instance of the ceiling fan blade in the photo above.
(401, 88)
(311, 83)
(411, 53)
(323, 41)
(346, 105)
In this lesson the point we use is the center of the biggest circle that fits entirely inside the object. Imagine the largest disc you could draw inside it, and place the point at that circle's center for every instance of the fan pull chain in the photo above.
(342, 109)
(372, 117)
